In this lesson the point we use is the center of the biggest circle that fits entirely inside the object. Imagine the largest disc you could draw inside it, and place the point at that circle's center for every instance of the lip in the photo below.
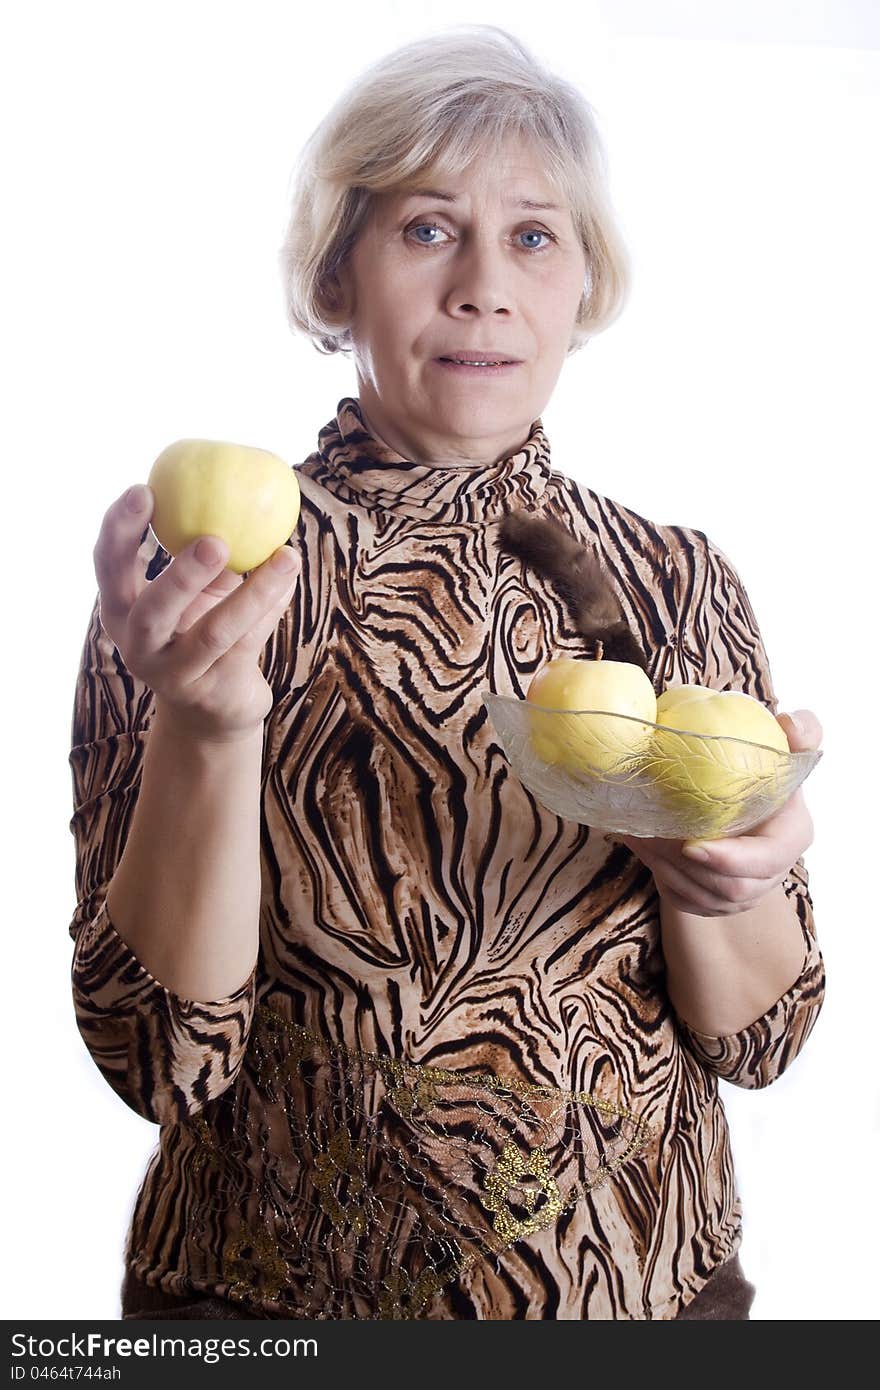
(502, 369)
(474, 354)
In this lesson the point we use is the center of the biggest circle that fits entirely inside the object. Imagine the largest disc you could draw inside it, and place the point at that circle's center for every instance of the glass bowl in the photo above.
(675, 784)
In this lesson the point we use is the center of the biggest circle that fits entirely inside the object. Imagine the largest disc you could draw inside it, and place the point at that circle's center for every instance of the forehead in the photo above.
(514, 174)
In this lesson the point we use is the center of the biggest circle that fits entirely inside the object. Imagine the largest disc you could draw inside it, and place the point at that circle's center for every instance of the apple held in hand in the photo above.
(742, 750)
(247, 497)
(595, 742)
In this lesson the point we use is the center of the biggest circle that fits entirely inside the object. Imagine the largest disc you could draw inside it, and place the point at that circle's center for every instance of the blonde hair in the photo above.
(433, 105)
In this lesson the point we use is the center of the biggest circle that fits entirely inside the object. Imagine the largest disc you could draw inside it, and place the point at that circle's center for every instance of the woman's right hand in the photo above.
(194, 634)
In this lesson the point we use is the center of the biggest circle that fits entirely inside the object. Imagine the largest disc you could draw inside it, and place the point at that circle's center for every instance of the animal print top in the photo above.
(454, 1086)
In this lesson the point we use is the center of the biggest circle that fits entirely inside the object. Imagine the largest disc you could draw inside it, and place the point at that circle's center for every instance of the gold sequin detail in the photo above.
(396, 1072)
(207, 1148)
(254, 1253)
(382, 1180)
(404, 1297)
(401, 1297)
(342, 1162)
(506, 1178)
(409, 1100)
(274, 1065)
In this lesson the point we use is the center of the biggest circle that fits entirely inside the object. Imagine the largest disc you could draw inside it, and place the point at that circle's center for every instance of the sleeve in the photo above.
(726, 644)
(165, 1056)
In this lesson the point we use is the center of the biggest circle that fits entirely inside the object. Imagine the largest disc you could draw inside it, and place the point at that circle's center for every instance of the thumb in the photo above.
(802, 729)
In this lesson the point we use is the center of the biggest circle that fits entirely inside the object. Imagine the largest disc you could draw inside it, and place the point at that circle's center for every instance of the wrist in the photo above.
(176, 723)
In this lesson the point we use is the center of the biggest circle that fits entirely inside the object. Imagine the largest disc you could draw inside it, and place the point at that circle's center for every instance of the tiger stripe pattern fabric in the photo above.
(454, 1085)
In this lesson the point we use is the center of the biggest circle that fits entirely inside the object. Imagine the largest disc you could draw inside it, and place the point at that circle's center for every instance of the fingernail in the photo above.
(136, 498)
(695, 851)
(208, 552)
(283, 560)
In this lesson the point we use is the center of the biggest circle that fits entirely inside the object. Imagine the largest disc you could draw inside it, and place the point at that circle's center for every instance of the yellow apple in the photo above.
(248, 497)
(677, 695)
(594, 742)
(735, 750)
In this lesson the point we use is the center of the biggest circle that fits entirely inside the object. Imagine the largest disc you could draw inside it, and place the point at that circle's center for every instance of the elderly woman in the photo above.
(418, 1046)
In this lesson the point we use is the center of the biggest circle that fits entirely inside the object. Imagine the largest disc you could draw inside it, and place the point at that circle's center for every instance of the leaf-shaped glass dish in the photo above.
(674, 784)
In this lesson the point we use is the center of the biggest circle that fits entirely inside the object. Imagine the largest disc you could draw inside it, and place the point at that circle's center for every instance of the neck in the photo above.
(448, 451)
(363, 470)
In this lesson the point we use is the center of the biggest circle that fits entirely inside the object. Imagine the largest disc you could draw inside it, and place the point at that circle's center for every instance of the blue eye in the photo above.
(535, 232)
(433, 227)
(428, 226)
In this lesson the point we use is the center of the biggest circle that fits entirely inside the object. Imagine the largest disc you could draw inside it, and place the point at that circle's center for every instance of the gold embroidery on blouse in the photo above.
(249, 1253)
(442, 1169)
(341, 1160)
(267, 1052)
(404, 1298)
(411, 1099)
(208, 1147)
(506, 1178)
(396, 1072)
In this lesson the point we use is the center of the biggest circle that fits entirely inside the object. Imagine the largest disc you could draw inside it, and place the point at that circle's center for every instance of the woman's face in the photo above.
(429, 277)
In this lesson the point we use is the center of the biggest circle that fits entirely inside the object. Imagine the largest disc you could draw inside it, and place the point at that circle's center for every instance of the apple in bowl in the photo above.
(695, 763)
(713, 747)
(589, 715)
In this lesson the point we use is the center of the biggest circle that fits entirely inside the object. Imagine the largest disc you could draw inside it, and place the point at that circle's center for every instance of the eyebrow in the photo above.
(451, 198)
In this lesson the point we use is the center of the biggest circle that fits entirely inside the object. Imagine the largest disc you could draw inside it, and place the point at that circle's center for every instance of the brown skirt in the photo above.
(726, 1296)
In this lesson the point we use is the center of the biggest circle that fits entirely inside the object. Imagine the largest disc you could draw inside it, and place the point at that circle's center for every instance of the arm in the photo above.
(164, 1004)
(748, 1054)
(724, 972)
(746, 987)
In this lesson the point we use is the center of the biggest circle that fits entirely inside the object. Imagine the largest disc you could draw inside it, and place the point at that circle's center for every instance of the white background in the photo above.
(148, 151)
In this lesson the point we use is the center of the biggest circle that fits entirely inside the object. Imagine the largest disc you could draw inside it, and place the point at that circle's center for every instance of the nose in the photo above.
(479, 279)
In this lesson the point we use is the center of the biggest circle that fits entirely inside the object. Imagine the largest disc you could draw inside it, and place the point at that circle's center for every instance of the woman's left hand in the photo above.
(740, 870)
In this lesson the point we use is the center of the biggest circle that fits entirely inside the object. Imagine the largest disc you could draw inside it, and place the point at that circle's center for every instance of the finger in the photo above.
(739, 889)
(759, 855)
(663, 858)
(670, 876)
(256, 639)
(720, 908)
(248, 608)
(802, 729)
(120, 573)
(652, 849)
(734, 895)
(155, 619)
(680, 903)
(210, 596)
(683, 903)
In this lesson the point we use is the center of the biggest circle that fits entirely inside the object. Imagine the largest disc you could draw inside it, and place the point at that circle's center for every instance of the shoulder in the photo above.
(627, 537)
(321, 509)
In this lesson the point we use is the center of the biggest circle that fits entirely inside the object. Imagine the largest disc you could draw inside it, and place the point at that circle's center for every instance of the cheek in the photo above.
(393, 309)
(560, 300)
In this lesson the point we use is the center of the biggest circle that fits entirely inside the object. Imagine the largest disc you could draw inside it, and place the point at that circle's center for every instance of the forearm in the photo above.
(185, 896)
(723, 973)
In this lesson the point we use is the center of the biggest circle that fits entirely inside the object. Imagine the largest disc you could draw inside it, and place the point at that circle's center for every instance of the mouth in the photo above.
(476, 367)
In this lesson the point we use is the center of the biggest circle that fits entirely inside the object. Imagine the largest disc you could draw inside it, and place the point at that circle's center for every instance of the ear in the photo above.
(344, 287)
(338, 295)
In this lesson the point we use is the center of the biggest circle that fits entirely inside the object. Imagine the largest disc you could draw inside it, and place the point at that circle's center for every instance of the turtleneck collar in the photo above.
(362, 471)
